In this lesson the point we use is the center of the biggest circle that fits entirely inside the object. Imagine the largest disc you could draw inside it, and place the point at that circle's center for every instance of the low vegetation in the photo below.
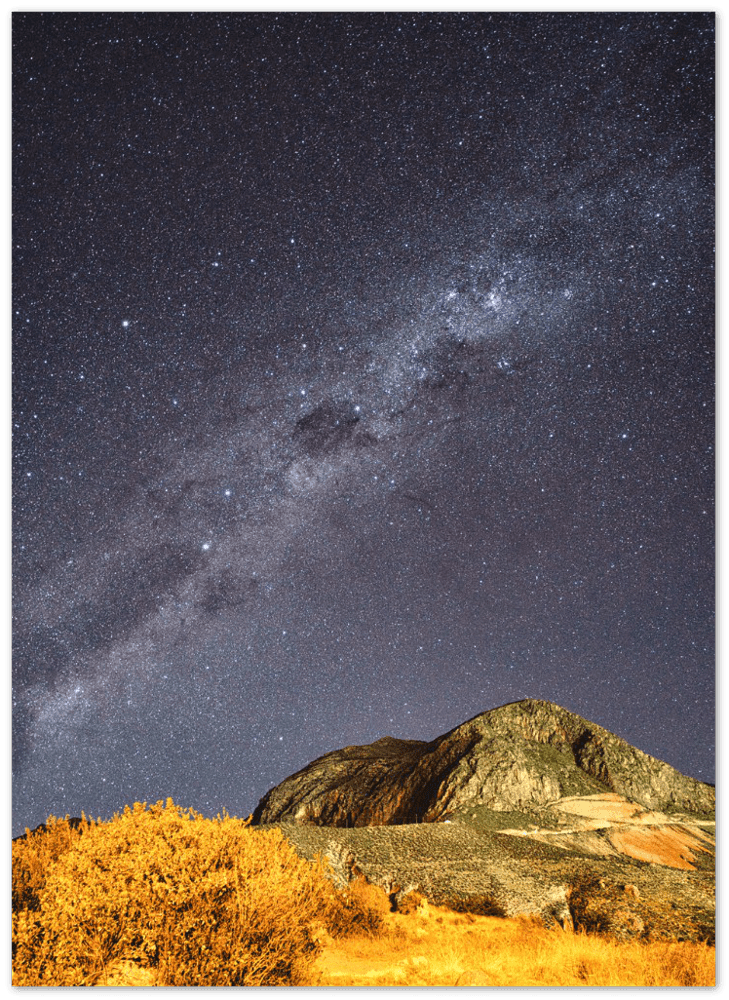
(163, 896)
(434, 946)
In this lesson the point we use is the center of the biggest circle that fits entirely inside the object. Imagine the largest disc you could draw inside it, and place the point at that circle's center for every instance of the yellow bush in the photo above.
(360, 909)
(201, 902)
(34, 853)
(411, 902)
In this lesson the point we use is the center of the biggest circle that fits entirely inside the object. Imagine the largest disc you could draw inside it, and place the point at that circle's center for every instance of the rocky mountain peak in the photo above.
(520, 756)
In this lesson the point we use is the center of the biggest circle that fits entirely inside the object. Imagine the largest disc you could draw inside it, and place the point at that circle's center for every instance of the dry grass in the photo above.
(436, 947)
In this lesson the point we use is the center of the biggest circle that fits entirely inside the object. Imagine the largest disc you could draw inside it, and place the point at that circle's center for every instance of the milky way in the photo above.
(363, 382)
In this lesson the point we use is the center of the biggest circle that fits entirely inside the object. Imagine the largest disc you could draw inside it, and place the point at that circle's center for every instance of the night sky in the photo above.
(363, 381)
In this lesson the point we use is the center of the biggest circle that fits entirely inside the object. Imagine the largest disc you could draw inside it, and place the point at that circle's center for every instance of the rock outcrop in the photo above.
(521, 756)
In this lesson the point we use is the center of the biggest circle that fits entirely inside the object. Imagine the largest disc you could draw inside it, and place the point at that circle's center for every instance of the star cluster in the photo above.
(363, 382)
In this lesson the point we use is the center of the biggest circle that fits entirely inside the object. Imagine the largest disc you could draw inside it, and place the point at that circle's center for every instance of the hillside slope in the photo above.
(520, 756)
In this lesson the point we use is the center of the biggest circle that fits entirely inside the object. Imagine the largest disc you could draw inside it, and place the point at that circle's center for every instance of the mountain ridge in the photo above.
(524, 754)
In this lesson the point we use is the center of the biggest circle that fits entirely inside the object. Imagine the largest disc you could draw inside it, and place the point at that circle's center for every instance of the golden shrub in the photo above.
(359, 908)
(34, 853)
(410, 902)
(201, 902)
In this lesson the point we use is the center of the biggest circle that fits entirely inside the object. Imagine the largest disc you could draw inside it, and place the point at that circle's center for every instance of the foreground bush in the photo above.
(199, 902)
(360, 909)
(33, 856)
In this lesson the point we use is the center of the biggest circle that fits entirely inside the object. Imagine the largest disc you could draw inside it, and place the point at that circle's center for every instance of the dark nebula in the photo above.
(328, 427)
(363, 382)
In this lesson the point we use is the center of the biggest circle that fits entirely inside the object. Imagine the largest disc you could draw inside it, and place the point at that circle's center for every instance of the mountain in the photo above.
(526, 809)
(521, 756)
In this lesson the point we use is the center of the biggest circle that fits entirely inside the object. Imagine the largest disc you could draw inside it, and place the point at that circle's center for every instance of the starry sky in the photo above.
(363, 381)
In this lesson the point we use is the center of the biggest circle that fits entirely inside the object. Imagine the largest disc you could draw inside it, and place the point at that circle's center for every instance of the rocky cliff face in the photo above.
(517, 757)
